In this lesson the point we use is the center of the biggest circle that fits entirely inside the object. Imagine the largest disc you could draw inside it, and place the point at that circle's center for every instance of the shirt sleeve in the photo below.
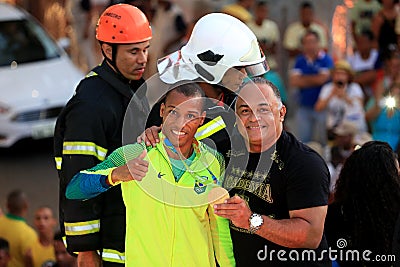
(356, 91)
(328, 62)
(290, 38)
(308, 181)
(274, 34)
(297, 68)
(325, 91)
(92, 182)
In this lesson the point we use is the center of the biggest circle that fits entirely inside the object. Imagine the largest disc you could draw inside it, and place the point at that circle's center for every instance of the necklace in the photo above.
(201, 180)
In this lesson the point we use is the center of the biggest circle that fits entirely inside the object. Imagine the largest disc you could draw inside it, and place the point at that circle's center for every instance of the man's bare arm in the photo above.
(304, 81)
(304, 229)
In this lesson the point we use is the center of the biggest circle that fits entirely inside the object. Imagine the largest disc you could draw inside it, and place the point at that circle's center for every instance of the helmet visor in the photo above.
(257, 69)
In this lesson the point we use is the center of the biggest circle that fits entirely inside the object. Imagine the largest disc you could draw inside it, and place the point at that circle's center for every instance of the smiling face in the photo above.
(131, 58)
(181, 115)
(260, 116)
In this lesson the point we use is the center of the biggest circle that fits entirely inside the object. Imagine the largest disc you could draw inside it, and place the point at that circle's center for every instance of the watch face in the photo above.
(256, 220)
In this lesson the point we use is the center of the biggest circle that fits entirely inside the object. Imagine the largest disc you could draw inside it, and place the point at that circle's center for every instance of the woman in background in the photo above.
(366, 205)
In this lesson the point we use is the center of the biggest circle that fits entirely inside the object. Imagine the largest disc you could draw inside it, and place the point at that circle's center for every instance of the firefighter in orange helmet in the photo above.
(90, 127)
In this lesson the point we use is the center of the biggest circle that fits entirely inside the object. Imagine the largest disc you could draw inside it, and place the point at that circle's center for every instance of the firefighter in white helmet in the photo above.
(218, 43)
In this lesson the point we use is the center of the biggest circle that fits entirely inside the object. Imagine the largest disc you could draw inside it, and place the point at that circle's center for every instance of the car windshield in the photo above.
(23, 41)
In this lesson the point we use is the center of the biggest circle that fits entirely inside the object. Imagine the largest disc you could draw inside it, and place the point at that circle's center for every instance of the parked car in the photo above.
(37, 77)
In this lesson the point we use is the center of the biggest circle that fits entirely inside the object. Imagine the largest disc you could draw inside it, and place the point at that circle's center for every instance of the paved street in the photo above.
(30, 166)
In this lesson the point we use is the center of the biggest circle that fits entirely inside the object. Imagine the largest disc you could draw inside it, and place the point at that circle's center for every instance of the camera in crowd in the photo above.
(340, 84)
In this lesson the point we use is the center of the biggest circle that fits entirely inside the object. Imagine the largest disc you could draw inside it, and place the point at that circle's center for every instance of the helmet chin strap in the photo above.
(113, 60)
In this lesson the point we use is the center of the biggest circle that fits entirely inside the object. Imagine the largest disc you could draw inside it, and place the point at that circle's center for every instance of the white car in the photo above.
(37, 78)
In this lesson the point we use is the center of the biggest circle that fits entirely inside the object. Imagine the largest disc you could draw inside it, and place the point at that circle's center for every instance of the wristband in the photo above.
(110, 181)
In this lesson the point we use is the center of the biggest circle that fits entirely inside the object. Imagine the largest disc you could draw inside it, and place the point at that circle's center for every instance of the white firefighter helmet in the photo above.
(218, 42)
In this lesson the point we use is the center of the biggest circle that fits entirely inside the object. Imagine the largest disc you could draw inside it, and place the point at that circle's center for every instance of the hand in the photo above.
(150, 136)
(89, 259)
(236, 210)
(379, 92)
(135, 169)
(28, 258)
(340, 92)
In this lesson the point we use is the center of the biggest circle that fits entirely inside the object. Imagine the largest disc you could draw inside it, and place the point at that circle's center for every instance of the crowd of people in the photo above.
(23, 245)
(211, 174)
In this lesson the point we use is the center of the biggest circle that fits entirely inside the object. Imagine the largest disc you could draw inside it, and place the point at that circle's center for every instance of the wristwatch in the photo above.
(255, 221)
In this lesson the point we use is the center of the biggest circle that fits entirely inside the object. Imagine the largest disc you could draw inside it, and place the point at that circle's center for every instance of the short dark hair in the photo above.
(261, 3)
(306, 5)
(16, 201)
(190, 89)
(310, 32)
(262, 80)
(368, 33)
(4, 245)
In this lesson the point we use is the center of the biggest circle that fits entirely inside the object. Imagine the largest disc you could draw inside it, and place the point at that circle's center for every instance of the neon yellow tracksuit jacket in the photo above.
(173, 223)
(169, 223)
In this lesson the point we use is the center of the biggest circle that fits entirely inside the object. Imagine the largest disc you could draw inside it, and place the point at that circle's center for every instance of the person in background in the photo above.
(391, 69)
(266, 31)
(42, 251)
(295, 31)
(335, 164)
(90, 127)
(310, 72)
(63, 258)
(240, 10)
(367, 196)
(15, 230)
(361, 16)
(383, 26)
(5, 256)
(343, 143)
(268, 36)
(89, 15)
(365, 62)
(383, 114)
(342, 100)
(169, 27)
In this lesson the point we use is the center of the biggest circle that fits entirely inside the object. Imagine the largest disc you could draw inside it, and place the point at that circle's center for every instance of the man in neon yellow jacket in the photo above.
(169, 191)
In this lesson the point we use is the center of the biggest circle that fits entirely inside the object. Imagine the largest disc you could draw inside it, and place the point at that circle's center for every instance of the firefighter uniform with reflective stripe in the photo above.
(87, 130)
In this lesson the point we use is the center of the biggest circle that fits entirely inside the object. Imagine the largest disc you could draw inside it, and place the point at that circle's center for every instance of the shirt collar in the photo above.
(14, 217)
